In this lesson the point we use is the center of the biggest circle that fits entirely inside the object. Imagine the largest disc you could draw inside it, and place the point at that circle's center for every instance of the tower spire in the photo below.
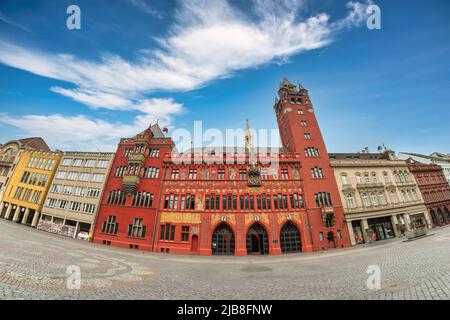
(248, 138)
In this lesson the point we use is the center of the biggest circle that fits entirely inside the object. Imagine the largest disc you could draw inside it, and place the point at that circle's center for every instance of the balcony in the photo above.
(406, 183)
(130, 183)
(348, 188)
(399, 205)
(137, 158)
(369, 185)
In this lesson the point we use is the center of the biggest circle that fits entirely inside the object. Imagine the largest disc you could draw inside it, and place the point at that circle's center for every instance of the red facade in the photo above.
(224, 202)
(434, 188)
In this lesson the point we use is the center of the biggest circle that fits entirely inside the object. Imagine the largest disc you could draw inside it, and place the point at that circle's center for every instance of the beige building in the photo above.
(380, 196)
(74, 197)
(10, 154)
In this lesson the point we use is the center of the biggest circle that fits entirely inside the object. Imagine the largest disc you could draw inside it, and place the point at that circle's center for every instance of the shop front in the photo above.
(382, 228)
(358, 232)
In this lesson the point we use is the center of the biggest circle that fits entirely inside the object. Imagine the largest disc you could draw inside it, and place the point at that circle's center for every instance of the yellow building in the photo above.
(26, 191)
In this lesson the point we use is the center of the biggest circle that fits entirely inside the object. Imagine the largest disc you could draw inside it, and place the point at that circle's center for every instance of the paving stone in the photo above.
(33, 265)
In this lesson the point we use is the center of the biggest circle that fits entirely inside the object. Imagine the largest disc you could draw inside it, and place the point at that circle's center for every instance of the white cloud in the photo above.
(83, 133)
(146, 8)
(208, 40)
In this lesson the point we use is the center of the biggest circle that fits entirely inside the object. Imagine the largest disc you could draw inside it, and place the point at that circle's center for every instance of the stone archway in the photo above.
(223, 241)
(257, 240)
(290, 239)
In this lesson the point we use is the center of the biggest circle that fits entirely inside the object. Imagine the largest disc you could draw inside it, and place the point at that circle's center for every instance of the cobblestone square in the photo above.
(33, 265)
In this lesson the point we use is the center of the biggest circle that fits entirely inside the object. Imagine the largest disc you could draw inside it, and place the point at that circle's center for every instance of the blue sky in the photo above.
(135, 61)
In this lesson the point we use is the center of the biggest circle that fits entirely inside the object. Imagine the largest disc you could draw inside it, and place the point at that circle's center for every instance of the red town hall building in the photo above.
(226, 203)
(434, 188)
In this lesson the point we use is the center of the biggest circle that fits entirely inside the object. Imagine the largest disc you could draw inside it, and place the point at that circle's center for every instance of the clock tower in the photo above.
(300, 135)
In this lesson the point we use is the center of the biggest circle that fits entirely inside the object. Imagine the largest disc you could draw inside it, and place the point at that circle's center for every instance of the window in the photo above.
(56, 188)
(229, 202)
(51, 202)
(18, 193)
(185, 234)
(72, 176)
(192, 174)
(303, 123)
(151, 172)
(116, 197)
(221, 174)
(77, 163)
(350, 201)
(88, 208)
(280, 202)
(373, 198)
(26, 195)
(312, 152)
(50, 165)
(365, 200)
(43, 180)
(307, 136)
(110, 226)
(93, 193)
(25, 177)
(344, 179)
(62, 204)
(33, 178)
(39, 164)
(296, 201)
(329, 220)
(98, 177)
(84, 176)
(67, 190)
(358, 178)
(127, 152)
(212, 202)
(137, 229)
(374, 177)
(120, 171)
(381, 198)
(103, 164)
(167, 232)
(299, 111)
(284, 174)
(66, 162)
(142, 199)
(74, 206)
(386, 177)
(154, 153)
(171, 202)
(242, 174)
(31, 163)
(187, 202)
(89, 163)
(79, 191)
(264, 174)
(175, 173)
(317, 173)
(323, 199)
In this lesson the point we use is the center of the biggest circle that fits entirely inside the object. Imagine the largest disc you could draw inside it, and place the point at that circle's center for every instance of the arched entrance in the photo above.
(223, 240)
(440, 216)
(257, 240)
(447, 214)
(290, 240)
(433, 218)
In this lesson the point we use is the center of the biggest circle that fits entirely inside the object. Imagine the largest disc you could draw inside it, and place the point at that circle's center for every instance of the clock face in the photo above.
(310, 110)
